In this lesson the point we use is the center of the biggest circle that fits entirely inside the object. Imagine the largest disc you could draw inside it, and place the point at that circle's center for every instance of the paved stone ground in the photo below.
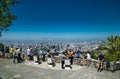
(44, 65)
(29, 70)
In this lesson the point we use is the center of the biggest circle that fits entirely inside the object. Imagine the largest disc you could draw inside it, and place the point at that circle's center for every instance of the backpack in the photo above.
(15, 54)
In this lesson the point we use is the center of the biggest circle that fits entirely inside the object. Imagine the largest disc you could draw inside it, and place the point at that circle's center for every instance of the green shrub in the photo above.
(94, 54)
(1, 45)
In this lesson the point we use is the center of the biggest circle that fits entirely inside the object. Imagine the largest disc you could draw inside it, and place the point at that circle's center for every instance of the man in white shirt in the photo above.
(28, 53)
(88, 56)
(88, 59)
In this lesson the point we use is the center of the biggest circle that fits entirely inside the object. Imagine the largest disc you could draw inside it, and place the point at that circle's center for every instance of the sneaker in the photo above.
(101, 70)
(98, 69)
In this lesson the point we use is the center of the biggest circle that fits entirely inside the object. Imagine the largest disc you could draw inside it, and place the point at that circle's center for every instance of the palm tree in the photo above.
(112, 47)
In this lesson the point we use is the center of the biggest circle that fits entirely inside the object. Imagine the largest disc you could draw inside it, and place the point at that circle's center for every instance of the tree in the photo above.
(6, 16)
(112, 48)
(1, 45)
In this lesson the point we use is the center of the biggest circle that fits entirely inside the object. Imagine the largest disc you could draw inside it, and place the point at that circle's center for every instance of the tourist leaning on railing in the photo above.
(88, 58)
(100, 61)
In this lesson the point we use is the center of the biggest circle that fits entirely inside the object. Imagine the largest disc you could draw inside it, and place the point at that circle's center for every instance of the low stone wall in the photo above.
(94, 63)
(114, 66)
(111, 66)
(57, 59)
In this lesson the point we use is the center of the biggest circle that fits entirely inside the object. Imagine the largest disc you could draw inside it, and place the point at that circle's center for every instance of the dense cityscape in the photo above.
(58, 45)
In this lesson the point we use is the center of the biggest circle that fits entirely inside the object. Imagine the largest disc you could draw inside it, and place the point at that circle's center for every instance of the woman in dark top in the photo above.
(100, 61)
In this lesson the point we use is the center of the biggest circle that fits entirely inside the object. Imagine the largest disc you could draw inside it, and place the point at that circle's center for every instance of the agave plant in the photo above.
(112, 47)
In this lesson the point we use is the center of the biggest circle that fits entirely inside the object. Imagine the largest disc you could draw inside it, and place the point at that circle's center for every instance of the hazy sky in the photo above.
(84, 19)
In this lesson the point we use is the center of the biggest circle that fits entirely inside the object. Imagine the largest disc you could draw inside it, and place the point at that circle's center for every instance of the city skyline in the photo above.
(65, 19)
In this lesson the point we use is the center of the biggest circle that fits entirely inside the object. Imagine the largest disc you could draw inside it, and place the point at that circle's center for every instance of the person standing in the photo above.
(40, 54)
(88, 58)
(62, 60)
(2, 50)
(100, 62)
(77, 54)
(11, 52)
(15, 55)
(70, 54)
(7, 53)
(19, 55)
(23, 54)
(28, 53)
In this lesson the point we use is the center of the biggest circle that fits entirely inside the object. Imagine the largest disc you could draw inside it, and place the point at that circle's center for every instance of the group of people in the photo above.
(20, 55)
(11, 52)
(67, 54)
(7, 52)
(17, 55)
(39, 53)
(70, 55)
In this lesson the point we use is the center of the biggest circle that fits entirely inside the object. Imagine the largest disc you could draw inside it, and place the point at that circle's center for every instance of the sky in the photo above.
(64, 19)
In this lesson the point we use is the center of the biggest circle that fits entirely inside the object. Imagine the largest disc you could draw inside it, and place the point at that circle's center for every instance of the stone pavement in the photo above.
(29, 70)
(44, 65)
